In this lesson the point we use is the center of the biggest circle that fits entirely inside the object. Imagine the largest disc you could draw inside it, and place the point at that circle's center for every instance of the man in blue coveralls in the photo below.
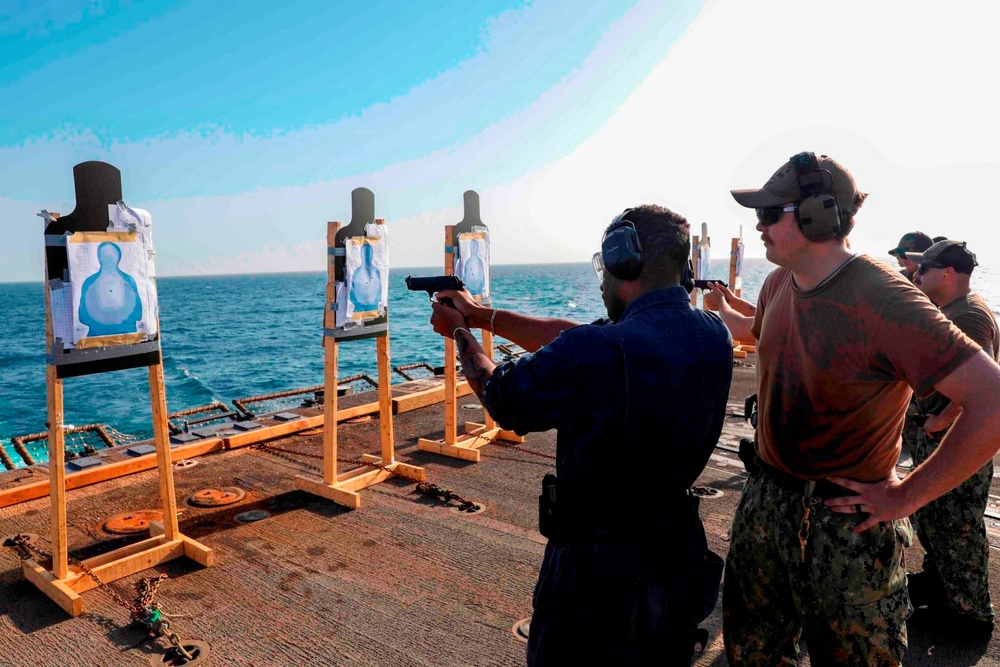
(627, 575)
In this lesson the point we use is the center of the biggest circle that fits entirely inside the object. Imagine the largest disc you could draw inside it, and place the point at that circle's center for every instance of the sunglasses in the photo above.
(597, 261)
(922, 268)
(769, 215)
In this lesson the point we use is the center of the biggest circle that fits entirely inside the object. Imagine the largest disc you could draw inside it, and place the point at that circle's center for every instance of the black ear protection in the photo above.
(818, 213)
(687, 276)
(620, 248)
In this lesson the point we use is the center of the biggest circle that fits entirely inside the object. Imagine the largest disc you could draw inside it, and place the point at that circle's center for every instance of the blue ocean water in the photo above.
(228, 337)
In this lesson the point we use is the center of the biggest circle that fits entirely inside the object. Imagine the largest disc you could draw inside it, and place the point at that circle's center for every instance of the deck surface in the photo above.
(405, 580)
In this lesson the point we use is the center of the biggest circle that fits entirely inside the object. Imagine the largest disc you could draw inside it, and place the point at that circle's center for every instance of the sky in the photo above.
(243, 127)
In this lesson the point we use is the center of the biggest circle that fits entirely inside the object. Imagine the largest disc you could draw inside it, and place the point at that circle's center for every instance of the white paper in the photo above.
(61, 300)
(472, 262)
(124, 218)
(112, 291)
(703, 270)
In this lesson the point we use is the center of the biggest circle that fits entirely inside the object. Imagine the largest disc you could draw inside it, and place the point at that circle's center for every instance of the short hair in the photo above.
(665, 238)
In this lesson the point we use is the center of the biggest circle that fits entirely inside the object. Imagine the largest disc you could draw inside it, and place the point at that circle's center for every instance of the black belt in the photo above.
(824, 488)
(754, 464)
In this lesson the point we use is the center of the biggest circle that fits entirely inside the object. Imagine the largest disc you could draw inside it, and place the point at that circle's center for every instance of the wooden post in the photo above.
(343, 488)
(450, 374)
(387, 439)
(57, 474)
(161, 435)
(736, 277)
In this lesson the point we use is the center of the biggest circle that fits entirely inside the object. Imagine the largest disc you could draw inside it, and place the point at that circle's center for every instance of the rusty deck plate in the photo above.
(131, 523)
(217, 497)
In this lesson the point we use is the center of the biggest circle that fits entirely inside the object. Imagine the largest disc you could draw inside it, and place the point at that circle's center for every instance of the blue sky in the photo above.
(243, 127)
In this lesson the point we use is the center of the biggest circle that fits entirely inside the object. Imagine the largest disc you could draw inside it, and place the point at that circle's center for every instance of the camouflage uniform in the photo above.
(910, 429)
(848, 595)
(953, 531)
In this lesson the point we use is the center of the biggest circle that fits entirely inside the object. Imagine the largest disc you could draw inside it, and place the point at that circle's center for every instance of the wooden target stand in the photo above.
(343, 488)
(475, 435)
(98, 184)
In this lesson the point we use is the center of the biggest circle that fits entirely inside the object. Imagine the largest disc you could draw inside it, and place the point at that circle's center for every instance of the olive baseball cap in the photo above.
(910, 243)
(946, 254)
(783, 187)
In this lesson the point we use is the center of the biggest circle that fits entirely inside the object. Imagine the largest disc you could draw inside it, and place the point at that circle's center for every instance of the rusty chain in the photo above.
(509, 445)
(426, 488)
(143, 610)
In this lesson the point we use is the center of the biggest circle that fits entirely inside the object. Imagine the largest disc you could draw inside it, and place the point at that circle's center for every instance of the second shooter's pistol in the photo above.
(434, 284)
(703, 284)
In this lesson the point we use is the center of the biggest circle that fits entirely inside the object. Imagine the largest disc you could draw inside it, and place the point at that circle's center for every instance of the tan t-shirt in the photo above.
(835, 366)
(970, 314)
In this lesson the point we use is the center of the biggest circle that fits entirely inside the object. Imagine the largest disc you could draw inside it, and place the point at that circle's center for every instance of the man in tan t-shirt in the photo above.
(954, 586)
(841, 340)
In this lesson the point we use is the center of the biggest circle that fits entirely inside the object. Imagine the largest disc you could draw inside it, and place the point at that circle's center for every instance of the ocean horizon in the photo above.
(228, 337)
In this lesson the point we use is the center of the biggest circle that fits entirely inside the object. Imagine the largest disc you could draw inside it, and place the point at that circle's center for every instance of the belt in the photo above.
(824, 488)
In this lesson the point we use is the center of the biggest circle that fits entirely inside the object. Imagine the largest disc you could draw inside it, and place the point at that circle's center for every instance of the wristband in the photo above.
(454, 333)
(493, 318)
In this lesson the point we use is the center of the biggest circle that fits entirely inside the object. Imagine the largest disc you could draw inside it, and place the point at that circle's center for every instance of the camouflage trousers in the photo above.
(910, 431)
(847, 597)
(952, 529)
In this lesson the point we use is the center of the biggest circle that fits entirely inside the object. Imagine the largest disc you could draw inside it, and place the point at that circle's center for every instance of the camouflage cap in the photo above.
(911, 242)
(946, 254)
(783, 187)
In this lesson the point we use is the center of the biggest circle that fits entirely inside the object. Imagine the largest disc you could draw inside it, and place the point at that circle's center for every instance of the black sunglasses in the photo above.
(922, 268)
(769, 215)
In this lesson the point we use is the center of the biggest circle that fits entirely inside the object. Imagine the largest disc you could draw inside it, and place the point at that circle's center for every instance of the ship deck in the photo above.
(405, 580)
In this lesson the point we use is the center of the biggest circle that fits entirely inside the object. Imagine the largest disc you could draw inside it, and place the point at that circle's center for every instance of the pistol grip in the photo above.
(447, 301)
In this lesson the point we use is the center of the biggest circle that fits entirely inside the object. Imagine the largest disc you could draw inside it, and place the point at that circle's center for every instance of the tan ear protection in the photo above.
(818, 213)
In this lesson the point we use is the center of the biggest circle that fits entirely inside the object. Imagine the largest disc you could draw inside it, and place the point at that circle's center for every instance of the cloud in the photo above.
(746, 86)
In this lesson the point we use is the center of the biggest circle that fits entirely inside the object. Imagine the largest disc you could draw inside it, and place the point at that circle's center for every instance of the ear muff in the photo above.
(621, 249)
(687, 277)
(818, 213)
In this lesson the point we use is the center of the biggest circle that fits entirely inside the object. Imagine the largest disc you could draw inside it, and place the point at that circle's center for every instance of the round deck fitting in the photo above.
(217, 497)
(185, 463)
(472, 406)
(706, 492)
(173, 658)
(358, 420)
(479, 507)
(251, 516)
(520, 629)
(131, 523)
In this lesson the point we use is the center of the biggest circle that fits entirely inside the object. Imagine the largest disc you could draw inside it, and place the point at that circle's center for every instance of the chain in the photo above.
(143, 610)
(508, 445)
(427, 488)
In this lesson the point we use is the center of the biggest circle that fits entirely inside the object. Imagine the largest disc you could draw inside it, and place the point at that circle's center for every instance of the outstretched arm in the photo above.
(476, 364)
(734, 311)
(529, 332)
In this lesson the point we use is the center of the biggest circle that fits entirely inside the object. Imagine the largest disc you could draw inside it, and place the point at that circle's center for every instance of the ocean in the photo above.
(230, 337)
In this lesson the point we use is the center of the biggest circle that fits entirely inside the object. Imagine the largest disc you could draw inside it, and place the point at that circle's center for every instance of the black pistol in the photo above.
(703, 284)
(434, 284)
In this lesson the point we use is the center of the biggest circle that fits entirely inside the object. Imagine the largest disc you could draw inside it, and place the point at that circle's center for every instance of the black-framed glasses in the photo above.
(769, 215)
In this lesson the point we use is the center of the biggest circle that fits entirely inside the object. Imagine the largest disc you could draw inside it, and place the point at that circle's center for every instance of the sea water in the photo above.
(229, 337)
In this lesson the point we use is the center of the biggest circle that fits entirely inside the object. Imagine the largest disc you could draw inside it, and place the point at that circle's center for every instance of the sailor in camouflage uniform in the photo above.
(842, 339)
(952, 528)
